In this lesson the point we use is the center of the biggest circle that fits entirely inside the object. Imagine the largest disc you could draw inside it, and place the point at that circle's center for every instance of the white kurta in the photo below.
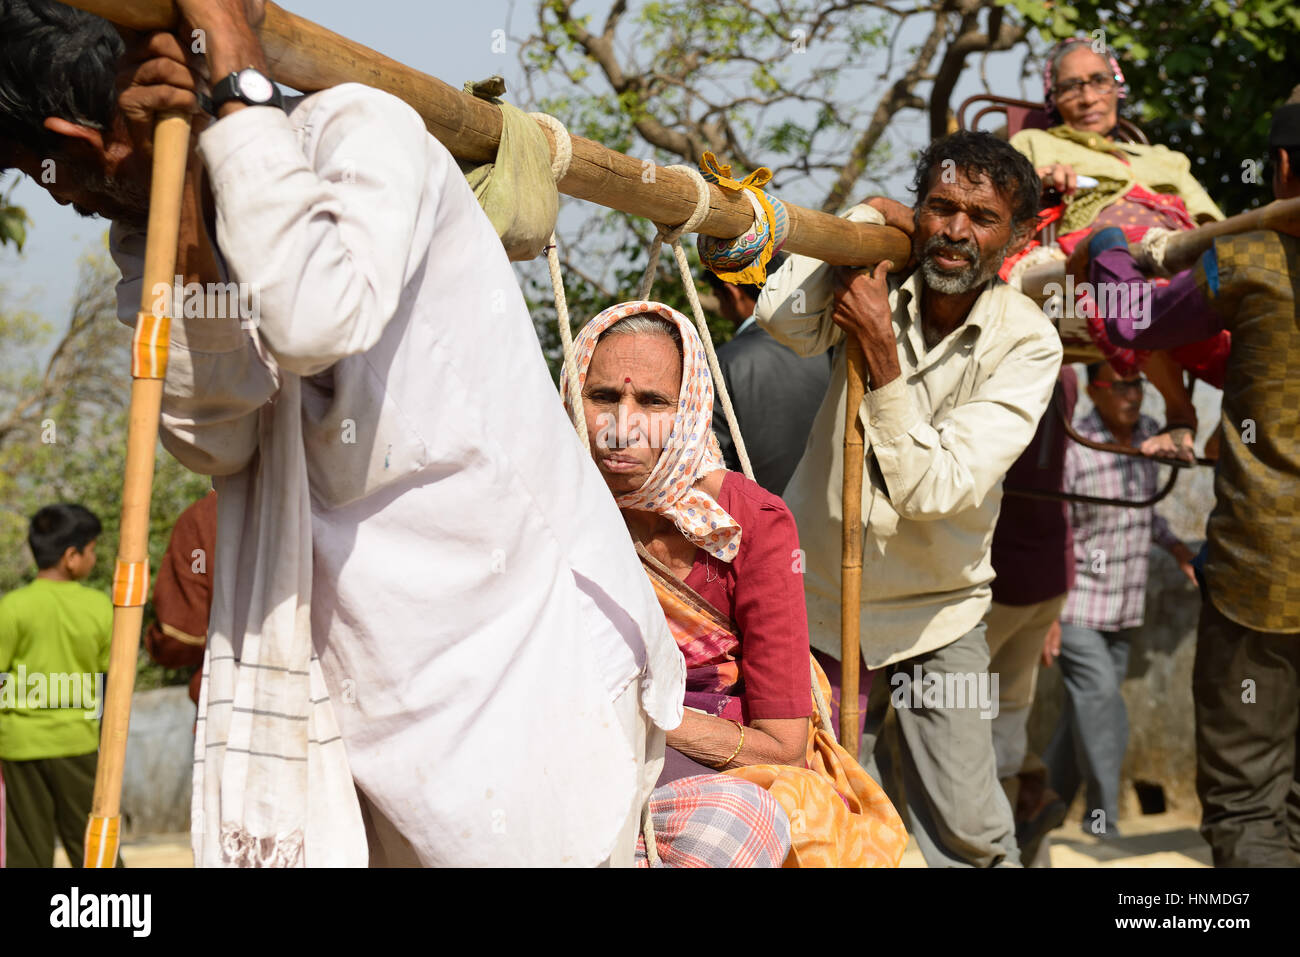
(476, 602)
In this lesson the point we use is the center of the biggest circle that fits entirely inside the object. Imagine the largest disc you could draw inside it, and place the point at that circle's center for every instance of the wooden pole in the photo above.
(1184, 248)
(851, 553)
(131, 574)
(307, 57)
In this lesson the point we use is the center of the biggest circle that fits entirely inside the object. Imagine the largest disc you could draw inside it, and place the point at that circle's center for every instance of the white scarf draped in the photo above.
(272, 786)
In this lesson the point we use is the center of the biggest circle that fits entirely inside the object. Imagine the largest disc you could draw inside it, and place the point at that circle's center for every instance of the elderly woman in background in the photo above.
(1138, 187)
(723, 556)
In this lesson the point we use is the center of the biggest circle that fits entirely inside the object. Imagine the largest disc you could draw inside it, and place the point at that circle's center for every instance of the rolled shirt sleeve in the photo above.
(1161, 533)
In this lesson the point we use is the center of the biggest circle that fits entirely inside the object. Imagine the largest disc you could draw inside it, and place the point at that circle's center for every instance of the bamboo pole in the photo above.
(851, 553)
(307, 57)
(1185, 247)
(131, 575)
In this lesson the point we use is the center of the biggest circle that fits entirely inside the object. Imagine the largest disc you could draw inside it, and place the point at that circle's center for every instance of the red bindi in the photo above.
(627, 378)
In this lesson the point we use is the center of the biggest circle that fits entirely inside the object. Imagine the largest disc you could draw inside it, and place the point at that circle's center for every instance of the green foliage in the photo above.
(1204, 77)
(742, 80)
(13, 225)
(13, 220)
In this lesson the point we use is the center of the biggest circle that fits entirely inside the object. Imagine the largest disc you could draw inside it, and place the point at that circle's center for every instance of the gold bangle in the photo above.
(740, 745)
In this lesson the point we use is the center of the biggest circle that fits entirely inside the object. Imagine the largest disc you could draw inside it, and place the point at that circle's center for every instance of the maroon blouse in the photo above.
(762, 591)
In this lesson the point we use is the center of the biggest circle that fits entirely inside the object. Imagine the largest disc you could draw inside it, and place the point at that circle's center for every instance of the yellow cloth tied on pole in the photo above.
(516, 190)
(743, 260)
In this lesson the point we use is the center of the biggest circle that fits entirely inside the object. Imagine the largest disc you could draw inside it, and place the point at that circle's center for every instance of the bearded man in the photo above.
(959, 368)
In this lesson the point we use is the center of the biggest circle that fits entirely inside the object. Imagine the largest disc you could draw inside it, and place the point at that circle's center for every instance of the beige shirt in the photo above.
(939, 440)
(1119, 166)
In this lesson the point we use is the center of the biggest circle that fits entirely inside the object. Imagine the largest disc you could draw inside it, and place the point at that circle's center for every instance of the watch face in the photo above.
(255, 86)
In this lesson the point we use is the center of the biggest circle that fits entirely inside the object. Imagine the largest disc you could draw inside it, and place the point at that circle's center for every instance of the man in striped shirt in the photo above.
(1104, 610)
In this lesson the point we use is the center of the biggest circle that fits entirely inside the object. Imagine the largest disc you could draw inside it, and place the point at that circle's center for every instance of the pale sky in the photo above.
(452, 41)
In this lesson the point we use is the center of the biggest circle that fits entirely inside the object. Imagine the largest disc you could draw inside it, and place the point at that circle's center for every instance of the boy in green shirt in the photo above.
(54, 641)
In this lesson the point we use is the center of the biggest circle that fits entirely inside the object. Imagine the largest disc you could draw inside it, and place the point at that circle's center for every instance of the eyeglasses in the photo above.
(1101, 82)
(1120, 386)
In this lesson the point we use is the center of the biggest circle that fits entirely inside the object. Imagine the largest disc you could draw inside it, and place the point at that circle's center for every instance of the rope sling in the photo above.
(671, 235)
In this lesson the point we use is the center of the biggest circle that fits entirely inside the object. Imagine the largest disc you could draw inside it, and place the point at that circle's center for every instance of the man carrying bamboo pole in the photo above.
(960, 368)
(1246, 680)
(429, 642)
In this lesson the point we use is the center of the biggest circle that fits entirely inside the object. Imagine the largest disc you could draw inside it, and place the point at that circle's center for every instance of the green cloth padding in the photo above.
(516, 190)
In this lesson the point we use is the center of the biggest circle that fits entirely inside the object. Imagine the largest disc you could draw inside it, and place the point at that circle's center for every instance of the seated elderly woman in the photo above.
(1138, 187)
(723, 556)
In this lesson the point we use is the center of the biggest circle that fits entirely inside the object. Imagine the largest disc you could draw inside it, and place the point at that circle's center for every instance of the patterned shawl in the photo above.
(691, 450)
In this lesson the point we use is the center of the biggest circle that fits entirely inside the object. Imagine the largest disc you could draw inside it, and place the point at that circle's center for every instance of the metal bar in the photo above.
(1095, 499)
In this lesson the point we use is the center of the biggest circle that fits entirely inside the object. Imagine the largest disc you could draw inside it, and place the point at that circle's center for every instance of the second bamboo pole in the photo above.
(131, 575)
(851, 554)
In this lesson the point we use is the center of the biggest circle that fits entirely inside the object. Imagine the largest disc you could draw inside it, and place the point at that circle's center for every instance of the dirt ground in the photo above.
(1157, 840)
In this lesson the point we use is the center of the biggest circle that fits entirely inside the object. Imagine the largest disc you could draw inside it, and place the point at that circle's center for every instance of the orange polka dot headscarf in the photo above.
(691, 450)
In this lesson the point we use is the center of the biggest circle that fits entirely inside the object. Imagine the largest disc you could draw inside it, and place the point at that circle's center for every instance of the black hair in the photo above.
(56, 528)
(1094, 370)
(1275, 158)
(54, 61)
(748, 288)
(979, 153)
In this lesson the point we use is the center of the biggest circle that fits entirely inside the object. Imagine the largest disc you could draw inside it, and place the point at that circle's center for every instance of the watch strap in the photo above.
(228, 89)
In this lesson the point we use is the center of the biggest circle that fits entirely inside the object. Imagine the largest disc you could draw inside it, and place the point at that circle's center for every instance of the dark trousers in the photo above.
(42, 798)
(1246, 687)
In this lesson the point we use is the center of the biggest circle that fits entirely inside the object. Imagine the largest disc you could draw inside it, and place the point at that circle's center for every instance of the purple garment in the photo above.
(701, 694)
(834, 674)
(1033, 550)
(678, 766)
(1179, 313)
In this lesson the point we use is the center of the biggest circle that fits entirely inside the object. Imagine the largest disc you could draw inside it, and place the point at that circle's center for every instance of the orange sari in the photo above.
(839, 816)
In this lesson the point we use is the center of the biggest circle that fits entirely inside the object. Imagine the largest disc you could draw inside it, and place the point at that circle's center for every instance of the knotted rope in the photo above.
(559, 167)
(1151, 255)
(673, 236)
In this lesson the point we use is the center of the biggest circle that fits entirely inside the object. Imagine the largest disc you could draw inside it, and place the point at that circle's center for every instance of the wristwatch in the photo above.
(251, 87)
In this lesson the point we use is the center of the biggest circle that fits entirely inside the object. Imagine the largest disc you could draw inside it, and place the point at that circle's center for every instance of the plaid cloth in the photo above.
(1111, 545)
(713, 820)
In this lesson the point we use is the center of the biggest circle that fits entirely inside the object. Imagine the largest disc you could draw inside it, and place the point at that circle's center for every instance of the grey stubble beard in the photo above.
(972, 276)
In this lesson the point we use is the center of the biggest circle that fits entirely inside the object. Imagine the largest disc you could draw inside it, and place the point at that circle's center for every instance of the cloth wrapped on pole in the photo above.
(308, 58)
